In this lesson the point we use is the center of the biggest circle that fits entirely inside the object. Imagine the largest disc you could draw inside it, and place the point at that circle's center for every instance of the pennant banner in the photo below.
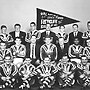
(54, 19)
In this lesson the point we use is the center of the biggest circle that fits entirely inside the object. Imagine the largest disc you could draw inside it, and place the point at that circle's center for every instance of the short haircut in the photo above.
(2, 43)
(33, 36)
(18, 38)
(33, 23)
(88, 22)
(75, 25)
(17, 25)
(3, 26)
(61, 26)
(76, 38)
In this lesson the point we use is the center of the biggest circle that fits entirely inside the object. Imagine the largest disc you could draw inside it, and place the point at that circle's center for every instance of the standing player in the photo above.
(4, 37)
(63, 34)
(32, 31)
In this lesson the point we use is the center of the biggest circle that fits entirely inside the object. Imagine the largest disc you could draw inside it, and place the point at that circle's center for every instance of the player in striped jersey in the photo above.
(65, 72)
(46, 73)
(32, 32)
(75, 50)
(27, 72)
(84, 72)
(18, 52)
(8, 73)
(4, 51)
(86, 51)
(48, 50)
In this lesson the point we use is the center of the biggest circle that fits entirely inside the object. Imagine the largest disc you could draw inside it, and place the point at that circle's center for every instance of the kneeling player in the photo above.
(84, 72)
(45, 72)
(8, 73)
(66, 72)
(27, 72)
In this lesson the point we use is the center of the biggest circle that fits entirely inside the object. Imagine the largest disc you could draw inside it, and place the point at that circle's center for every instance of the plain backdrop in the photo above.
(24, 12)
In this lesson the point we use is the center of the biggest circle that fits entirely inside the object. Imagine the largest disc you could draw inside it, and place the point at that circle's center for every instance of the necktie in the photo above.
(32, 51)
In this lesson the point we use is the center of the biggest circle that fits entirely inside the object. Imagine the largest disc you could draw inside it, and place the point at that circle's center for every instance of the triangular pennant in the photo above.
(54, 19)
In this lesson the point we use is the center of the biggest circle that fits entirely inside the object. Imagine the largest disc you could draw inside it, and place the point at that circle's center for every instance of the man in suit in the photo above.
(75, 34)
(33, 50)
(18, 33)
(62, 48)
(49, 33)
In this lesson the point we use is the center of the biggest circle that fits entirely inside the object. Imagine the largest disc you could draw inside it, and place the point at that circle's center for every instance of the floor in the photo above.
(75, 87)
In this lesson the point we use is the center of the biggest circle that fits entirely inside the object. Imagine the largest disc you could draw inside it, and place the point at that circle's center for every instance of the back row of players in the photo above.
(44, 55)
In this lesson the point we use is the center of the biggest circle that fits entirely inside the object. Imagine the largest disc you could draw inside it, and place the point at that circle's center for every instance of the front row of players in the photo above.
(46, 74)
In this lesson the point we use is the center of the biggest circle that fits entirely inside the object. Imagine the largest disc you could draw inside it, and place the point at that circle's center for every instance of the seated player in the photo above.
(65, 72)
(63, 34)
(4, 37)
(8, 73)
(4, 51)
(18, 51)
(46, 73)
(86, 50)
(84, 72)
(75, 50)
(48, 50)
(27, 72)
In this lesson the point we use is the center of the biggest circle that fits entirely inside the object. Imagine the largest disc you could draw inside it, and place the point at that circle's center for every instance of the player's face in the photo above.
(84, 60)
(28, 62)
(3, 30)
(32, 27)
(88, 26)
(75, 28)
(48, 41)
(76, 41)
(8, 62)
(33, 39)
(17, 28)
(3, 46)
(47, 61)
(48, 27)
(65, 59)
(62, 28)
(18, 41)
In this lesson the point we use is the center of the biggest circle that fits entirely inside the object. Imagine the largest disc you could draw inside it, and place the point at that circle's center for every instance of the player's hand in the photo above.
(7, 78)
(3, 78)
